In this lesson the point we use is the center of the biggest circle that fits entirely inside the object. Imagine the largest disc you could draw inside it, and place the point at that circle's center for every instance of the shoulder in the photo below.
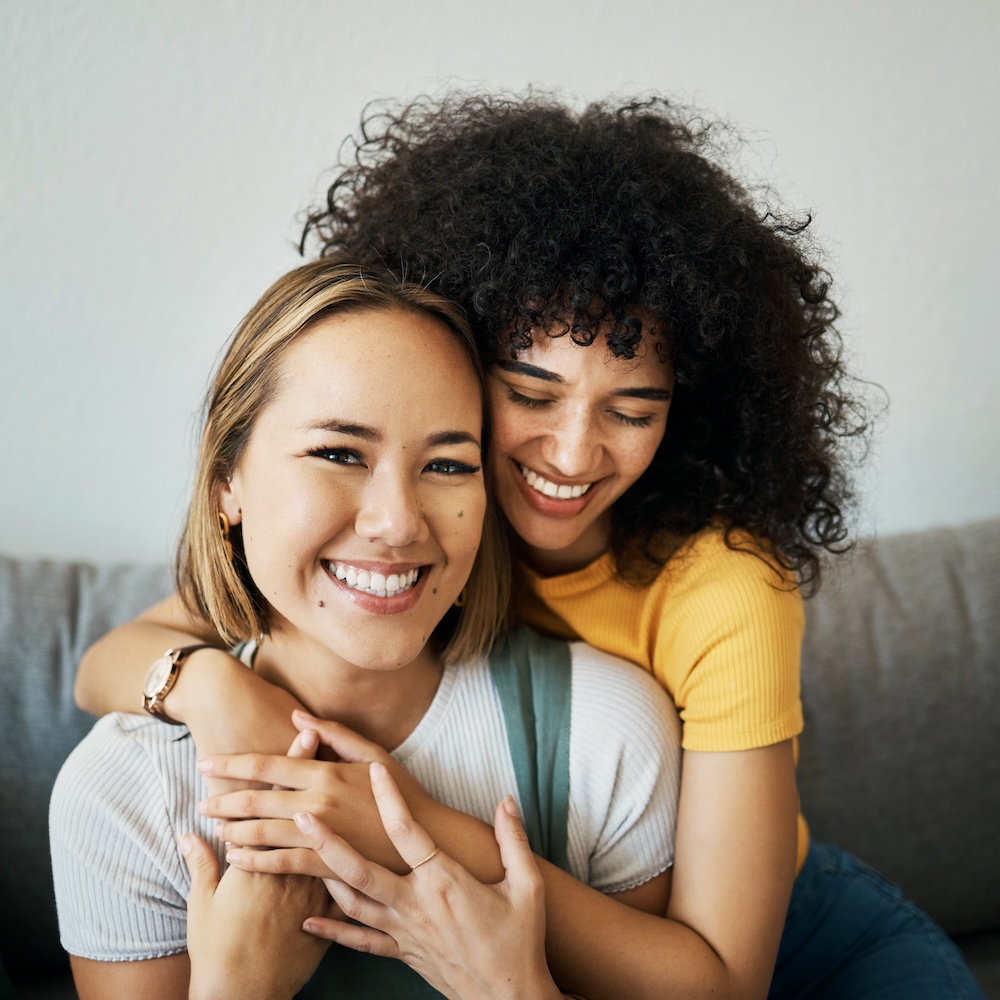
(117, 749)
(714, 587)
(612, 688)
(119, 802)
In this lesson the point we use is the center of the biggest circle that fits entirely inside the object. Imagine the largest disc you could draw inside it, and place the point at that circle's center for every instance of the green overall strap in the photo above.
(532, 674)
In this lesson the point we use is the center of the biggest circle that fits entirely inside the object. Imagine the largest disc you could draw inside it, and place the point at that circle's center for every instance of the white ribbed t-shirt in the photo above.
(130, 789)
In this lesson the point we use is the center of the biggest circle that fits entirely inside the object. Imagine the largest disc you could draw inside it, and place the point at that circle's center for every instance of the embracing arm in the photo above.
(732, 876)
(732, 879)
(227, 707)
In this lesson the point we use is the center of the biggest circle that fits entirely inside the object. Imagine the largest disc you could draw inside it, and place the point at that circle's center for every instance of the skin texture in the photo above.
(735, 853)
(574, 423)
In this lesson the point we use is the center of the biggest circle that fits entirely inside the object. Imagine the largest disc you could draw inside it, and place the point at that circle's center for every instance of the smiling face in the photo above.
(574, 428)
(360, 492)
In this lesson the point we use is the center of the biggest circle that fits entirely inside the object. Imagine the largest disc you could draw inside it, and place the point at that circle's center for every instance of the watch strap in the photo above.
(153, 703)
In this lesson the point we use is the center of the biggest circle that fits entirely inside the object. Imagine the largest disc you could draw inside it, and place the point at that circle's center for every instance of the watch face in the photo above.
(157, 676)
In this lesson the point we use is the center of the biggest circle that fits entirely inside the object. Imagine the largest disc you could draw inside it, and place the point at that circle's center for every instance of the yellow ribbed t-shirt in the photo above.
(720, 629)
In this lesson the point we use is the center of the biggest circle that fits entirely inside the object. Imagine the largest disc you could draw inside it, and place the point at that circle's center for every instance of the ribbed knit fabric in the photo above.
(130, 789)
(721, 630)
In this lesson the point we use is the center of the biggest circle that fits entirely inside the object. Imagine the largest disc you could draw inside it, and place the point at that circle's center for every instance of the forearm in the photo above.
(597, 947)
(112, 670)
(602, 949)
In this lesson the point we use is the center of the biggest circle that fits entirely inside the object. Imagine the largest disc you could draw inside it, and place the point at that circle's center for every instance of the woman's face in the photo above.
(574, 428)
(360, 492)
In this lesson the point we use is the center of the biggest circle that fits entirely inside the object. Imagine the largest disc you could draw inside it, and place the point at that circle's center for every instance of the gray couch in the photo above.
(900, 761)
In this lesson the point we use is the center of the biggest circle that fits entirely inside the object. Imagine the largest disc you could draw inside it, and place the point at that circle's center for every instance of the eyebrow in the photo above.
(533, 371)
(366, 433)
(352, 430)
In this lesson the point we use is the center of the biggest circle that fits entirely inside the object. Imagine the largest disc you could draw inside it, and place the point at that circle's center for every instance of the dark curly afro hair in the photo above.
(536, 218)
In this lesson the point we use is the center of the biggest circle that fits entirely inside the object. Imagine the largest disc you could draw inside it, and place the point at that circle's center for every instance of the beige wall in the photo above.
(154, 157)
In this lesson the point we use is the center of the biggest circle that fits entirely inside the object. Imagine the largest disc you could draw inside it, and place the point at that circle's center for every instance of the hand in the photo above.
(339, 792)
(230, 709)
(466, 939)
(245, 936)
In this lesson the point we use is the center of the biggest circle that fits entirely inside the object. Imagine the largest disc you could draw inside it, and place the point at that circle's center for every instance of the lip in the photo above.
(553, 506)
(372, 603)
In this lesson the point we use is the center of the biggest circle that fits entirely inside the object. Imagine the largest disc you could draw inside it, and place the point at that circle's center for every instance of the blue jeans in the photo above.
(851, 934)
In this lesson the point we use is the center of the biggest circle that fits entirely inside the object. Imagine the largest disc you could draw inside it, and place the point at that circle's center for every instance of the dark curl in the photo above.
(537, 218)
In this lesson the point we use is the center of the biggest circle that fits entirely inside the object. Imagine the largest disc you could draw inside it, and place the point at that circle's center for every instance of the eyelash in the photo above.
(456, 468)
(534, 404)
(348, 456)
(339, 456)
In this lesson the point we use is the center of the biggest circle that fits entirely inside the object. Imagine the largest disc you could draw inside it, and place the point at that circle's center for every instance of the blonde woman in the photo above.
(339, 515)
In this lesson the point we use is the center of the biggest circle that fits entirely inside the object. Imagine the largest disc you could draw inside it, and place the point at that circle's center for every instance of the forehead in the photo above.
(373, 357)
(595, 364)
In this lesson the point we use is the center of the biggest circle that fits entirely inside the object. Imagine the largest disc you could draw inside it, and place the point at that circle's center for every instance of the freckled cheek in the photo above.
(511, 430)
(458, 525)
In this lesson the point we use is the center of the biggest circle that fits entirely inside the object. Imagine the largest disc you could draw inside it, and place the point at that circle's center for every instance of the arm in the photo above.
(256, 714)
(732, 876)
(244, 941)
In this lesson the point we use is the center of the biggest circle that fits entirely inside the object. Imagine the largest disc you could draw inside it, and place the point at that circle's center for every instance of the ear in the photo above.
(229, 499)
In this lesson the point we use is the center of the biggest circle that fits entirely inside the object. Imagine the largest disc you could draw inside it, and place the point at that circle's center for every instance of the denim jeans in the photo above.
(851, 934)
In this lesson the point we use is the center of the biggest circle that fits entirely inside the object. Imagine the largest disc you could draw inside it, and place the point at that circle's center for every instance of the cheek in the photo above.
(510, 425)
(459, 525)
(635, 457)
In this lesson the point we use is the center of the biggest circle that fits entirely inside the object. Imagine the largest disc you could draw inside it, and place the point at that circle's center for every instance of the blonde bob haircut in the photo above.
(220, 590)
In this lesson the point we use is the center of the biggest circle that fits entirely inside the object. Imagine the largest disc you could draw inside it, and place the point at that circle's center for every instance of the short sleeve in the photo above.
(121, 884)
(624, 772)
(728, 647)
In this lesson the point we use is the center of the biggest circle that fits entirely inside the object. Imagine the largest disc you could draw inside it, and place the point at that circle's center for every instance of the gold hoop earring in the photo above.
(224, 529)
(460, 600)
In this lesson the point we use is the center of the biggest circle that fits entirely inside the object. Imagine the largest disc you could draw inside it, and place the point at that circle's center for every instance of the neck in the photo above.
(381, 704)
(591, 545)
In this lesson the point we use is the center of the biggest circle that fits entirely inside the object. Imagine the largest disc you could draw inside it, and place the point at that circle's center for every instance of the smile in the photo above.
(374, 583)
(559, 492)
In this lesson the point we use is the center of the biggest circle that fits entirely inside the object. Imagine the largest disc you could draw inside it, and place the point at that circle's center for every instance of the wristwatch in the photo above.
(162, 677)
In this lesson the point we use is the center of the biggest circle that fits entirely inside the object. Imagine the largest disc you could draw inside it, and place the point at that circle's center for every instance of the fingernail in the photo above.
(303, 821)
(220, 831)
(206, 766)
(309, 927)
(235, 856)
(184, 843)
(375, 770)
(308, 739)
(510, 806)
(203, 807)
(299, 714)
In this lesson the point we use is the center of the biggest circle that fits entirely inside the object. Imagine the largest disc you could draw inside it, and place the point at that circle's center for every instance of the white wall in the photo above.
(154, 158)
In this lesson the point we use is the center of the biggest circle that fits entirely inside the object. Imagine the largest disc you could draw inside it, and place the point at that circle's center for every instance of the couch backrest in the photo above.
(900, 759)
(49, 613)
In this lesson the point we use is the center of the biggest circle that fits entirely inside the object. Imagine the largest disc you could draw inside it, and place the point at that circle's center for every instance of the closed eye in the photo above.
(515, 397)
(624, 418)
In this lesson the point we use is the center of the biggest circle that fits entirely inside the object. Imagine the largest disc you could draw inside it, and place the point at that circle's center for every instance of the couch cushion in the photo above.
(900, 759)
(49, 613)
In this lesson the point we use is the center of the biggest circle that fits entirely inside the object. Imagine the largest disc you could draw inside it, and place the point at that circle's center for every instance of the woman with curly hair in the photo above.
(616, 273)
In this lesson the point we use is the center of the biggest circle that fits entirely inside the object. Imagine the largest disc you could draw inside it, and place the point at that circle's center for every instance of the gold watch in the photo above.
(162, 677)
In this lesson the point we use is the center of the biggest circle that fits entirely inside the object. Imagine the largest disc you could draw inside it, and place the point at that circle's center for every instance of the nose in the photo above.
(390, 511)
(573, 446)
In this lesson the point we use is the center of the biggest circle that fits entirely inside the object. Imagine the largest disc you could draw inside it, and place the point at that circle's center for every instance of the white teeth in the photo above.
(560, 492)
(375, 583)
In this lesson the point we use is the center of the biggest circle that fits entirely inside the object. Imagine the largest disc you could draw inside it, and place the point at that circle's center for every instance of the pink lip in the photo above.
(553, 506)
(372, 603)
